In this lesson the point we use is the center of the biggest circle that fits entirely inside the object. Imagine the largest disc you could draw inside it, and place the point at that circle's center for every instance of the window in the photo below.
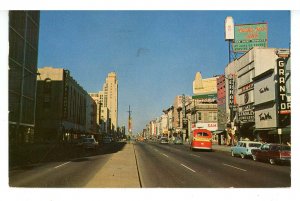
(202, 134)
(212, 116)
(199, 116)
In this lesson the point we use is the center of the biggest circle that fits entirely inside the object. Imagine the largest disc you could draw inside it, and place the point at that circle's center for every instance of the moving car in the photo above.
(274, 153)
(178, 140)
(163, 140)
(243, 148)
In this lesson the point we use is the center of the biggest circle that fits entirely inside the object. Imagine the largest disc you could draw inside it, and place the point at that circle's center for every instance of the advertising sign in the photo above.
(229, 28)
(284, 105)
(208, 126)
(206, 98)
(247, 36)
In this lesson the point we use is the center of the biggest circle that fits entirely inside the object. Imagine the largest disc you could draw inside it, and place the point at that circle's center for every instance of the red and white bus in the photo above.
(202, 139)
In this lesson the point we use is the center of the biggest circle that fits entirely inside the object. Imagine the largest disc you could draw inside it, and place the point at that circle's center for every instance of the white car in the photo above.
(243, 148)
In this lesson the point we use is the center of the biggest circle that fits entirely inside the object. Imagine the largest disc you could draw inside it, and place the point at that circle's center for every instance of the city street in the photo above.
(151, 165)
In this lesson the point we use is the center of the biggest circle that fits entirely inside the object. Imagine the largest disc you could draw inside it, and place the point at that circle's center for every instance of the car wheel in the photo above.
(254, 157)
(242, 155)
(272, 161)
(232, 154)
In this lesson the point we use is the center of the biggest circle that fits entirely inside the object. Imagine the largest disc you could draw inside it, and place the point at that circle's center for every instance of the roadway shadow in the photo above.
(31, 156)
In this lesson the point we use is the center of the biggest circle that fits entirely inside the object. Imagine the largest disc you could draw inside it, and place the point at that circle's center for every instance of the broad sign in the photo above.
(247, 36)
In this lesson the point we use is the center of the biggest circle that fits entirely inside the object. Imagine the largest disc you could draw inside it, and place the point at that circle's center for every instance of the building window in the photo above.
(212, 116)
(199, 116)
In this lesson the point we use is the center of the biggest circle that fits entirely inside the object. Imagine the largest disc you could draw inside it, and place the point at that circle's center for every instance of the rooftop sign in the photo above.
(247, 36)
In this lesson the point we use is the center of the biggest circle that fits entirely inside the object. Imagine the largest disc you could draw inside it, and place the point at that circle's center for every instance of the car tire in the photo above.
(232, 154)
(242, 156)
(272, 161)
(254, 158)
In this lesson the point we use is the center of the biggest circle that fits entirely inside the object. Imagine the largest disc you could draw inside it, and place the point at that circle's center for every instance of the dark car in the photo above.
(274, 153)
(89, 143)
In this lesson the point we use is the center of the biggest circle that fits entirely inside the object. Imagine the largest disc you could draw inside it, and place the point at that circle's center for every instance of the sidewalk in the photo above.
(119, 172)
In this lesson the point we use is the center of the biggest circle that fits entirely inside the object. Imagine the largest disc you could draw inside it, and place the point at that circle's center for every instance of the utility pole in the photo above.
(129, 122)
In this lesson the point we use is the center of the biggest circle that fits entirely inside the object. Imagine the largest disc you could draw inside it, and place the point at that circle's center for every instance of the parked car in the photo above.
(163, 140)
(274, 153)
(243, 148)
(178, 140)
(107, 140)
(89, 143)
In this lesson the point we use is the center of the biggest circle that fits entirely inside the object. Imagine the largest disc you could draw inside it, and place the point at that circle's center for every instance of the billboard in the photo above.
(247, 36)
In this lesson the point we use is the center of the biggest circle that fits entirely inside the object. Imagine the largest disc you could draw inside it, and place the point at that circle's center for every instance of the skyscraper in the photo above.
(23, 55)
(110, 89)
(107, 103)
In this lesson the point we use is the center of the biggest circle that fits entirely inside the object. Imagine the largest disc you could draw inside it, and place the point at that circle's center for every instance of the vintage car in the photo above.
(243, 148)
(274, 153)
(164, 140)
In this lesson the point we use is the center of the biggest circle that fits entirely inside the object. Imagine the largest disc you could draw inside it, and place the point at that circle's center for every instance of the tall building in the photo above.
(110, 99)
(107, 105)
(23, 56)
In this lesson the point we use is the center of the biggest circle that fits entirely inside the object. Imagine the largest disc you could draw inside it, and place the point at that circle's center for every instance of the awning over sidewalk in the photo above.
(219, 131)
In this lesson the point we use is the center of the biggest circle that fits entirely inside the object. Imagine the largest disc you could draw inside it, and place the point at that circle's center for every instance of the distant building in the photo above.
(23, 57)
(107, 105)
(65, 111)
(202, 110)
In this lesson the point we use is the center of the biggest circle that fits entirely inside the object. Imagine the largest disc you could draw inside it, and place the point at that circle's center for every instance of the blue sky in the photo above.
(155, 54)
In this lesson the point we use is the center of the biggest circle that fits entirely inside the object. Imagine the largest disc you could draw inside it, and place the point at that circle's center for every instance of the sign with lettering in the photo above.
(247, 116)
(65, 97)
(231, 95)
(208, 126)
(265, 117)
(284, 105)
(247, 36)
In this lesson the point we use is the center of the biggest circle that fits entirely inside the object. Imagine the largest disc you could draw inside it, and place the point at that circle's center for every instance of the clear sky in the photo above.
(155, 54)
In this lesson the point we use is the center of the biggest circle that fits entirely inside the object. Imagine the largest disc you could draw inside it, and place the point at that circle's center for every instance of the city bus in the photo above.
(202, 139)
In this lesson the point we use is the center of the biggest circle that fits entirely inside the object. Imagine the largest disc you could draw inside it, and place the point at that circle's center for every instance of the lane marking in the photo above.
(165, 155)
(235, 167)
(155, 149)
(195, 155)
(62, 164)
(188, 168)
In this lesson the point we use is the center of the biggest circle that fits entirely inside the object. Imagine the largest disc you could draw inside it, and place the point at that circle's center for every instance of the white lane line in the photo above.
(165, 155)
(235, 167)
(188, 168)
(155, 149)
(195, 155)
(62, 164)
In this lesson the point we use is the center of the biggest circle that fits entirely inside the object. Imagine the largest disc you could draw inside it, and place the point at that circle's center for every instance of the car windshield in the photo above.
(254, 145)
(285, 148)
(88, 140)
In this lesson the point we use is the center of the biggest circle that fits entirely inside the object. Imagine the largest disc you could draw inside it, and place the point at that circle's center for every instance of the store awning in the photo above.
(218, 131)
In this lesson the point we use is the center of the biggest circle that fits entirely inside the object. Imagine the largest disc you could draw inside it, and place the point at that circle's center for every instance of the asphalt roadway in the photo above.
(152, 165)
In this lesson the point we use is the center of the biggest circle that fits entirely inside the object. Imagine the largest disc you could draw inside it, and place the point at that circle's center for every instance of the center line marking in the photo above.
(62, 164)
(165, 155)
(188, 168)
(234, 167)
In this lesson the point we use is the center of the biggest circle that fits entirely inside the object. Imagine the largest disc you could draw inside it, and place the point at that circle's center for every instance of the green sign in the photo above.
(247, 36)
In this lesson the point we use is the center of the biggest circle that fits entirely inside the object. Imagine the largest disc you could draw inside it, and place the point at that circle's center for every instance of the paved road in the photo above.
(147, 165)
(73, 173)
(171, 165)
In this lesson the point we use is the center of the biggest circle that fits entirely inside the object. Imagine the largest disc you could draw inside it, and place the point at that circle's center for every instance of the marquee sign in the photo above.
(284, 106)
